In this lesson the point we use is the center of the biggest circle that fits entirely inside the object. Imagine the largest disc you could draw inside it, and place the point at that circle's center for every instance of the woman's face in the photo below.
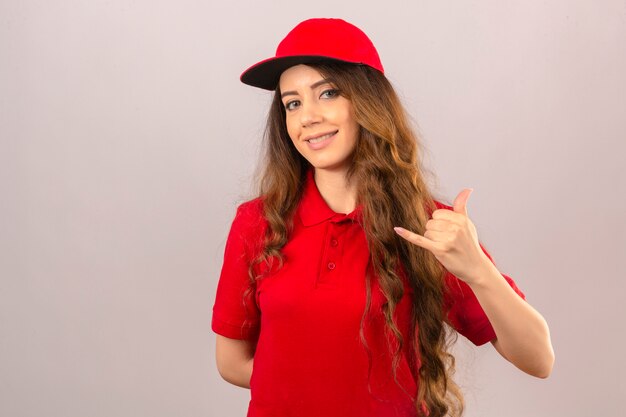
(320, 122)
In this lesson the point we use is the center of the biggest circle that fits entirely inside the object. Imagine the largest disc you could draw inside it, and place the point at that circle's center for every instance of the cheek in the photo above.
(351, 127)
(293, 133)
(353, 131)
(290, 130)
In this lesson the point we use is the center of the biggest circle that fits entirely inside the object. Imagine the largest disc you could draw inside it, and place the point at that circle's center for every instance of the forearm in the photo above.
(523, 336)
(239, 375)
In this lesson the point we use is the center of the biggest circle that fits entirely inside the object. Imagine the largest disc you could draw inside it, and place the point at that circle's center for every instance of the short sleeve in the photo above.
(235, 311)
(466, 314)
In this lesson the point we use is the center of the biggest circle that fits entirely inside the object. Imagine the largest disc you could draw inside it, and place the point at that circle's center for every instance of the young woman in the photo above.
(344, 281)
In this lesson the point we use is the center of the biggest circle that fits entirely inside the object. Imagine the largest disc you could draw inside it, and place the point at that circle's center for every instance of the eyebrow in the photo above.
(314, 85)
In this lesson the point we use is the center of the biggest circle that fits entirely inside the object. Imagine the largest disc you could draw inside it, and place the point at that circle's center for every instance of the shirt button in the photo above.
(331, 265)
(333, 242)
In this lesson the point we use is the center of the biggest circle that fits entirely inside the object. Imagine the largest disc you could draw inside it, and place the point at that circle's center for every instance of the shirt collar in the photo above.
(312, 208)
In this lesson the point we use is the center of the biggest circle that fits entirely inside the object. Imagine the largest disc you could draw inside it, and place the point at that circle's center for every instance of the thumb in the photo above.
(460, 202)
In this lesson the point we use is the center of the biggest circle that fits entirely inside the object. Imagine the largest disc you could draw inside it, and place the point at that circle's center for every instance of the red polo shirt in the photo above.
(305, 317)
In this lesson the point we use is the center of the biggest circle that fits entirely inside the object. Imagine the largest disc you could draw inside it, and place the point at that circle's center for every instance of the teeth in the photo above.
(321, 138)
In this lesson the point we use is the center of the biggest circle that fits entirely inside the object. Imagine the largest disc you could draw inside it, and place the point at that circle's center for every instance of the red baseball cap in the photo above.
(312, 41)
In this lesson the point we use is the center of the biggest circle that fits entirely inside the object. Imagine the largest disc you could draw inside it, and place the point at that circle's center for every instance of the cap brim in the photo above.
(266, 74)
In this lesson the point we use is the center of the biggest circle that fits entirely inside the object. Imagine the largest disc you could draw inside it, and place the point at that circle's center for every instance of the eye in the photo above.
(330, 93)
(289, 104)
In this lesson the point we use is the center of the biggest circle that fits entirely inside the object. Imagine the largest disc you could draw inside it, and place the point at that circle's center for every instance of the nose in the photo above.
(310, 113)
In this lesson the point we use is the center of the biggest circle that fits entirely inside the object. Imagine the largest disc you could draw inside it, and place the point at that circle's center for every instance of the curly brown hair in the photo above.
(392, 190)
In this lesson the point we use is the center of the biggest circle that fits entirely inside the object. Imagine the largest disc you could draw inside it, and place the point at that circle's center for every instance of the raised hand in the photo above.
(451, 236)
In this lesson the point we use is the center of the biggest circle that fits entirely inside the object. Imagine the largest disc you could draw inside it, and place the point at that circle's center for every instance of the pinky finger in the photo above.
(416, 239)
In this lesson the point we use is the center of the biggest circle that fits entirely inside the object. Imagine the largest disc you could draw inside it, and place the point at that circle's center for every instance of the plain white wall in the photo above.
(127, 140)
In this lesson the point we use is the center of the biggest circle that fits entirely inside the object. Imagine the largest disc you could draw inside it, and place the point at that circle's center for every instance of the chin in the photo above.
(329, 166)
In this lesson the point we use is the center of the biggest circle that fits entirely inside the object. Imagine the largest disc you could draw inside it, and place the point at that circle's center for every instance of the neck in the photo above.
(335, 190)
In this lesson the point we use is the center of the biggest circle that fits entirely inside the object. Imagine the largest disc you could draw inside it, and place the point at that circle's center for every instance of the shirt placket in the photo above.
(331, 259)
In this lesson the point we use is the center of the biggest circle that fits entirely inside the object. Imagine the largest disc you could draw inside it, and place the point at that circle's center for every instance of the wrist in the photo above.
(483, 275)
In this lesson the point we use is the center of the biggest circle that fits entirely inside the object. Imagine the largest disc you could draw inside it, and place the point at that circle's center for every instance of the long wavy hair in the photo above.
(391, 186)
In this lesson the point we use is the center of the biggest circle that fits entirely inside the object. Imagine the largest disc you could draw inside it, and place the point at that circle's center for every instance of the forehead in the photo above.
(298, 76)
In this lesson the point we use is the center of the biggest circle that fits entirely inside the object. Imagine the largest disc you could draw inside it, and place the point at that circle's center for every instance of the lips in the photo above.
(308, 138)
(321, 141)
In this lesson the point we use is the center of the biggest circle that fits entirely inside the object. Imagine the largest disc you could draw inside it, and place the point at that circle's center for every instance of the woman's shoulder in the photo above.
(249, 225)
(251, 207)
(441, 205)
(250, 212)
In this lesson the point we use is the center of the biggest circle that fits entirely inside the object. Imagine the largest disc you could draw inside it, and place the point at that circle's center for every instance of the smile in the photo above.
(321, 138)
(321, 141)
